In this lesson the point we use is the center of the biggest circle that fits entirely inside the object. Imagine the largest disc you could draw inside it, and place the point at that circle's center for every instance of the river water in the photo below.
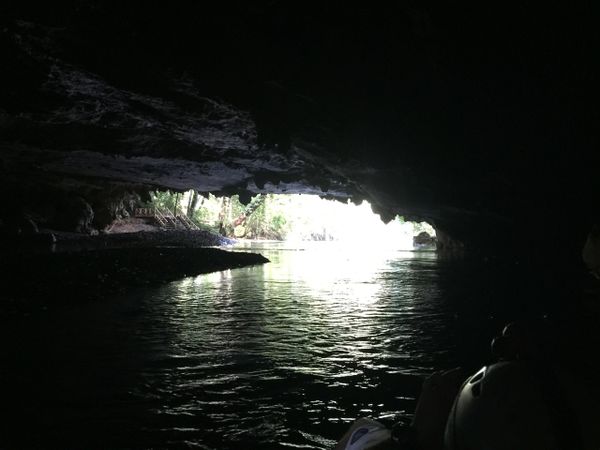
(284, 355)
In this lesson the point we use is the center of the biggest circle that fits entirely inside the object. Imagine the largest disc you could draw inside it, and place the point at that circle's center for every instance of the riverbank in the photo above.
(140, 239)
(88, 268)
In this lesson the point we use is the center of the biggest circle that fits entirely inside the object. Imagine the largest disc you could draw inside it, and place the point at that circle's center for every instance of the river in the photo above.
(284, 355)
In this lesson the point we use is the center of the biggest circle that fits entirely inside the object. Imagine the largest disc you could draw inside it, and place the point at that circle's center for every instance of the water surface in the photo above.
(282, 355)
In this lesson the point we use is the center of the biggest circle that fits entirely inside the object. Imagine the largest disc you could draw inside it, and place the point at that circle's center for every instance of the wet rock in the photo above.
(75, 214)
(75, 276)
(446, 242)
(116, 204)
(591, 251)
(423, 239)
(140, 239)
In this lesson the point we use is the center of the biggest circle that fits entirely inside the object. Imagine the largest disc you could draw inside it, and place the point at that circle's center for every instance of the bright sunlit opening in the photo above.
(328, 220)
(297, 220)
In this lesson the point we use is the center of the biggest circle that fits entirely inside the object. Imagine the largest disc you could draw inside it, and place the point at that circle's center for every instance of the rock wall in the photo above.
(485, 128)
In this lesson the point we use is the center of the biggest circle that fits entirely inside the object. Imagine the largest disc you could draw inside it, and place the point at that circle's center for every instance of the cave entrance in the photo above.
(293, 218)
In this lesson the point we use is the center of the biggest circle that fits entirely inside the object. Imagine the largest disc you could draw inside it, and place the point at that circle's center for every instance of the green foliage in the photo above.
(237, 207)
(255, 223)
(276, 217)
(419, 227)
(278, 223)
(163, 200)
(202, 215)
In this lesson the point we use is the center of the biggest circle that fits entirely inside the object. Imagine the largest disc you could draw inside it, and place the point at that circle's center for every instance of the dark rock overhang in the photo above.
(480, 121)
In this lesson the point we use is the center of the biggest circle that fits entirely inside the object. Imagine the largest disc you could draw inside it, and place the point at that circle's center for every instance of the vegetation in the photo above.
(165, 200)
(281, 217)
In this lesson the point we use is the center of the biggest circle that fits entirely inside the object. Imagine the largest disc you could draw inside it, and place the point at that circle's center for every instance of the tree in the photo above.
(163, 200)
(250, 208)
(192, 204)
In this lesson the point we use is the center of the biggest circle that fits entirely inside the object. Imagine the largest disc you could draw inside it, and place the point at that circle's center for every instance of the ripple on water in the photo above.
(282, 355)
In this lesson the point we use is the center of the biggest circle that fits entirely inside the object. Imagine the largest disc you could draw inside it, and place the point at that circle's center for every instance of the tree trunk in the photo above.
(192, 204)
(250, 208)
(223, 215)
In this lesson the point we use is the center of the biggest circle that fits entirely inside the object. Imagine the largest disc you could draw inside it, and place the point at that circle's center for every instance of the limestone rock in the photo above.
(423, 239)
(309, 100)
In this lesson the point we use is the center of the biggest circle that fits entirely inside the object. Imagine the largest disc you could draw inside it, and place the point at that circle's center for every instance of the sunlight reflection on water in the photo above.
(323, 324)
(271, 356)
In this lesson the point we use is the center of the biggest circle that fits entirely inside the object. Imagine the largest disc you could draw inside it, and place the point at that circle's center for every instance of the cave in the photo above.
(479, 120)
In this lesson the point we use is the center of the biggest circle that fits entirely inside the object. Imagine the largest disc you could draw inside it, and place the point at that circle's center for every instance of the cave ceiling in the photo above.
(454, 114)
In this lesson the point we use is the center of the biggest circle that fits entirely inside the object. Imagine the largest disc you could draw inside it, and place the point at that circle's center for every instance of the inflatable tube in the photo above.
(366, 434)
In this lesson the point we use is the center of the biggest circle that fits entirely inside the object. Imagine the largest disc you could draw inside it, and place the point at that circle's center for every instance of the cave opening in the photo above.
(295, 219)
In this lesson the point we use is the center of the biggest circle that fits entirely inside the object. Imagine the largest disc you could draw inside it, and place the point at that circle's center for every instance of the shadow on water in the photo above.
(270, 356)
